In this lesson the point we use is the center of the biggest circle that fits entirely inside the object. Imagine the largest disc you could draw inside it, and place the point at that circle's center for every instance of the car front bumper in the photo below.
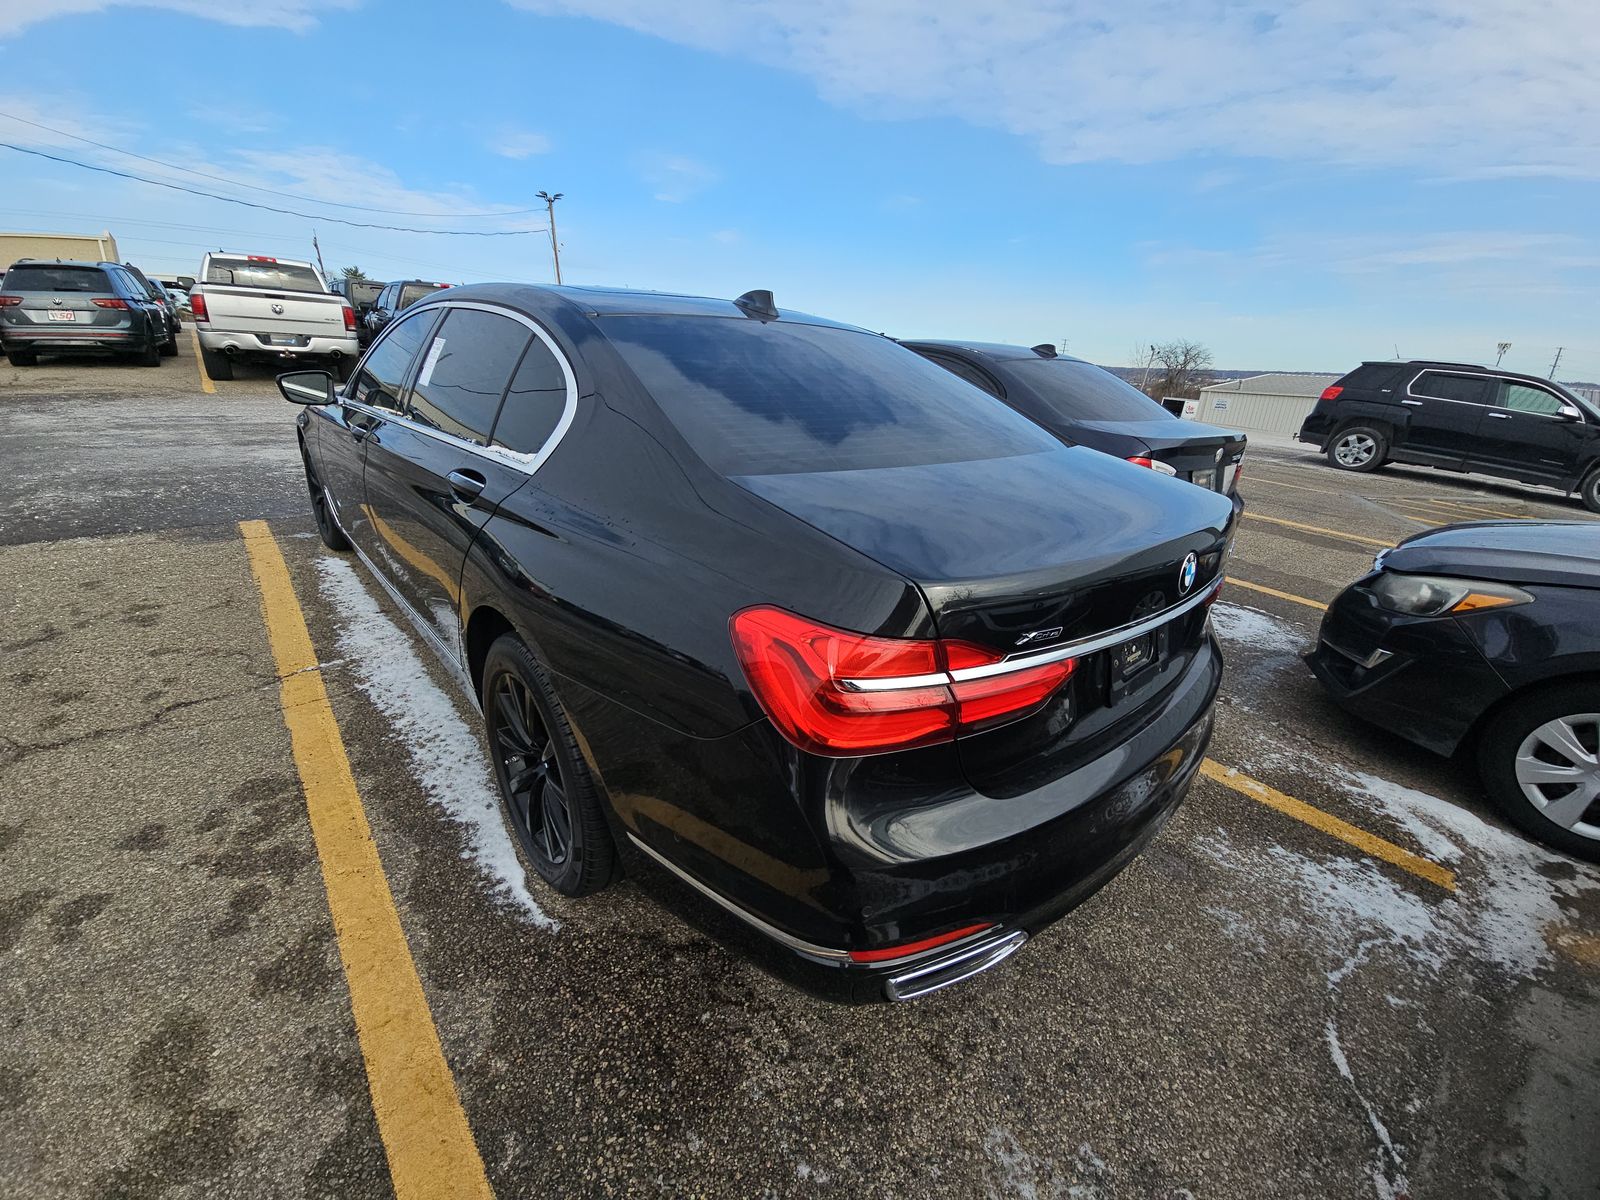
(1423, 678)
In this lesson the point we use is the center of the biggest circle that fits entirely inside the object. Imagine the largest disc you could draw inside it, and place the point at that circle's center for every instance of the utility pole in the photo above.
(1148, 363)
(318, 249)
(1502, 347)
(1555, 364)
(555, 248)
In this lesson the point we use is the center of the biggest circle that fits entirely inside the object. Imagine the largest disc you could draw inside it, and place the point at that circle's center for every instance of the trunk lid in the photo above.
(1185, 446)
(253, 310)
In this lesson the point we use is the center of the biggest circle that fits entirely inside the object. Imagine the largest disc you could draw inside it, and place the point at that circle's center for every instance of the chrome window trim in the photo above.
(526, 463)
(1088, 645)
(799, 945)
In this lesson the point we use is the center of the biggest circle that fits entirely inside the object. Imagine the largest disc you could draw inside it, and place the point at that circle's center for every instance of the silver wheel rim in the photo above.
(1355, 450)
(1558, 769)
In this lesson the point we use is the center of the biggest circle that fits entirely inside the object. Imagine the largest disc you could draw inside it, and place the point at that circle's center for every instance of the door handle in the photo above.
(467, 485)
(360, 433)
(1501, 416)
(1412, 403)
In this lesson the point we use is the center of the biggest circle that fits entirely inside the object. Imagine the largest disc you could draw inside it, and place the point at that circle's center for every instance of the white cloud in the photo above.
(519, 143)
(1490, 87)
(675, 177)
(299, 16)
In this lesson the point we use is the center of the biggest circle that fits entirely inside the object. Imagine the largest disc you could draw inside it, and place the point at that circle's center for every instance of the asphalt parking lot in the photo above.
(1336, 973)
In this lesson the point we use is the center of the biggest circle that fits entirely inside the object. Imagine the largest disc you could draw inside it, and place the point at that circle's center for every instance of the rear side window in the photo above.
(534, 403)
(1375, 376)
(465, 371)
(756, 398)
(1080, 391)
(383, 373)
(29, 278)
(1465, 389)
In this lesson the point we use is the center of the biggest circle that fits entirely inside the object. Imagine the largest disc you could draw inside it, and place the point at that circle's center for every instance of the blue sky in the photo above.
(1298, 186)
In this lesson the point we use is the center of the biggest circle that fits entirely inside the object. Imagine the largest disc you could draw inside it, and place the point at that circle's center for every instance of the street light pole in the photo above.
(555, 249)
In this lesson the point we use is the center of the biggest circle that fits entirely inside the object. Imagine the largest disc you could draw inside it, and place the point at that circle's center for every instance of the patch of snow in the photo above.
(445, 753)
(1261, 630)
(1389, 1184)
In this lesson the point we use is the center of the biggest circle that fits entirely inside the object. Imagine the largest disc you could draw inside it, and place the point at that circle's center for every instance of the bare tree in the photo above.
(1181, 369)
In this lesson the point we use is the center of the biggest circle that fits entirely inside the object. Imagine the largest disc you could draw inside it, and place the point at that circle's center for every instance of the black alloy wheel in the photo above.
(150, 356)
(544, 784)
(322, 508)
(1589, 490)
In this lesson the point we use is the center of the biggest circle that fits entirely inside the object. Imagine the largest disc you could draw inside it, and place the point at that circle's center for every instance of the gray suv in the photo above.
(78, 307)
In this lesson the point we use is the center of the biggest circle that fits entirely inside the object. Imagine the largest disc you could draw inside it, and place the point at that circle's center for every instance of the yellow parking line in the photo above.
(206, 385)
(1333, 533)
(1234, 581)
(1249, 479)
(1470, 510)
(1368, 843)
(425, 1132)
(1421, 520)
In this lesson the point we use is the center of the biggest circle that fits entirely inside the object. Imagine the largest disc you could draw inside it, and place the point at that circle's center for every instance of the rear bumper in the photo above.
(73, 339)
(1422, 678)
(1075, 835)
(1316, 429)
(248, 345)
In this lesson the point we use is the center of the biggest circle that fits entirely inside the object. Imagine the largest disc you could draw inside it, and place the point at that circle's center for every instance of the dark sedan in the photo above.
(847, 647)
(1485, 639)
(1086, 405)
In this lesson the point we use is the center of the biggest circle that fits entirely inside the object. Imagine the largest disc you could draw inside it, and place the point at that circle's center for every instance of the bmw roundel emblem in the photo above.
(1186, 574)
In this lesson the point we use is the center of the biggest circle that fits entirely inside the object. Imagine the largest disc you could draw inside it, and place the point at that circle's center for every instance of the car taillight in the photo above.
(349, 317)
(839, 694)
(259, 258)
(10, 301)
(1155, 464)
(113, 303)
(197, 308)
(1331, 393)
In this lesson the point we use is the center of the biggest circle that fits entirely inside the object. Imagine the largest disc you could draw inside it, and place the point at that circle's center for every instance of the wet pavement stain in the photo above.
(304, 969)
(245, 903)
(68, 917)
(148, 837)
(16, 912)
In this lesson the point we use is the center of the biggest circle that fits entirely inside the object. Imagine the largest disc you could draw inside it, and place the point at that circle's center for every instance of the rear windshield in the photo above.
(779, 398)
(1080, 391)
(412, 292)
(1375, 375)
(277, 277)
(57, 279)
(364, 293)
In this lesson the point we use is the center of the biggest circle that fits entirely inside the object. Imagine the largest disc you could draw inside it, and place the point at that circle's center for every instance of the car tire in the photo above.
(1523, 738)
(322, 509)
(218, 365)
(23, 358)
(549, 796)
(1358, 448)
(1589, 491)
(150, 356)
(169, 348)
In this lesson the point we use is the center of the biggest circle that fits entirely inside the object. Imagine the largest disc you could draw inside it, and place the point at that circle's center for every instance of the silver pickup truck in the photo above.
(250, 307)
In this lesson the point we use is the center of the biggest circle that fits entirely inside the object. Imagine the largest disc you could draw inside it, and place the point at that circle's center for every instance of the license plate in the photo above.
(63, 314)
(1132, 657)
(1205, 479)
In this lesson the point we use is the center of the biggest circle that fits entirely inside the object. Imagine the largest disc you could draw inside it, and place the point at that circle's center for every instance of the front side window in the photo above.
(464, 372)
(1466, 389)
(534, 402)
(1524, 397)
(383, 373)
(761, 398)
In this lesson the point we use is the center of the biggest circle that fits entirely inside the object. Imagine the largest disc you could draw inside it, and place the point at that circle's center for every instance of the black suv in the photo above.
(1462, 418)
(395, 297)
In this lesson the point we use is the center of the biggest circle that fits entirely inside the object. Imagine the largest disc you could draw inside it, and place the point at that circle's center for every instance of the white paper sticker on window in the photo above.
(428, 364)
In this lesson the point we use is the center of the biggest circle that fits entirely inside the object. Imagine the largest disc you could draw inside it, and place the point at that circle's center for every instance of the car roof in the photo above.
(613, 302)
(1441, 365)
(61, 262)
(995, 351)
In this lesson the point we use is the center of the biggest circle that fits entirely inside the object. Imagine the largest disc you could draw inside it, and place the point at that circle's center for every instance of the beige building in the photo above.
(85, 247)
(1275, 403)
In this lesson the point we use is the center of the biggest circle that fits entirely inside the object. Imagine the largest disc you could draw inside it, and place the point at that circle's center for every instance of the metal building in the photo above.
(1275, 403)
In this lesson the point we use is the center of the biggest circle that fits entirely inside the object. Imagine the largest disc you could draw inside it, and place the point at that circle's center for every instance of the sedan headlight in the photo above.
(1437, 595)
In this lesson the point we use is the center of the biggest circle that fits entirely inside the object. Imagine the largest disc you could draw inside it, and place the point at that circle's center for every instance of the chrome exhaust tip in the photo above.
(928, 977)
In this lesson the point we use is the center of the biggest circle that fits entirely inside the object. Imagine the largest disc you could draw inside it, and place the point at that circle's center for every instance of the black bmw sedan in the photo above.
(1485, 639)
(1086, 405)
(779, 607)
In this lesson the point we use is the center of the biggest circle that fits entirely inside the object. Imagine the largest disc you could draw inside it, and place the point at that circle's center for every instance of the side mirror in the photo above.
(306, 387)
(1568, 413)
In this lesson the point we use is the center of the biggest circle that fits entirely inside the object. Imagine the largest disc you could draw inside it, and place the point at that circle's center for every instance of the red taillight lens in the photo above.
(10, 301)
(837, 693)
(197, 308)
(907, 949)
(259, 258)
(1141, 461)
(113, 303)
(349, 317)
(1331, 393)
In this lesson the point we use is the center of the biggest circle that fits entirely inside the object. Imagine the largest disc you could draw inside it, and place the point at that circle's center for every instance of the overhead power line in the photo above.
(393, 212)
(289, 212)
